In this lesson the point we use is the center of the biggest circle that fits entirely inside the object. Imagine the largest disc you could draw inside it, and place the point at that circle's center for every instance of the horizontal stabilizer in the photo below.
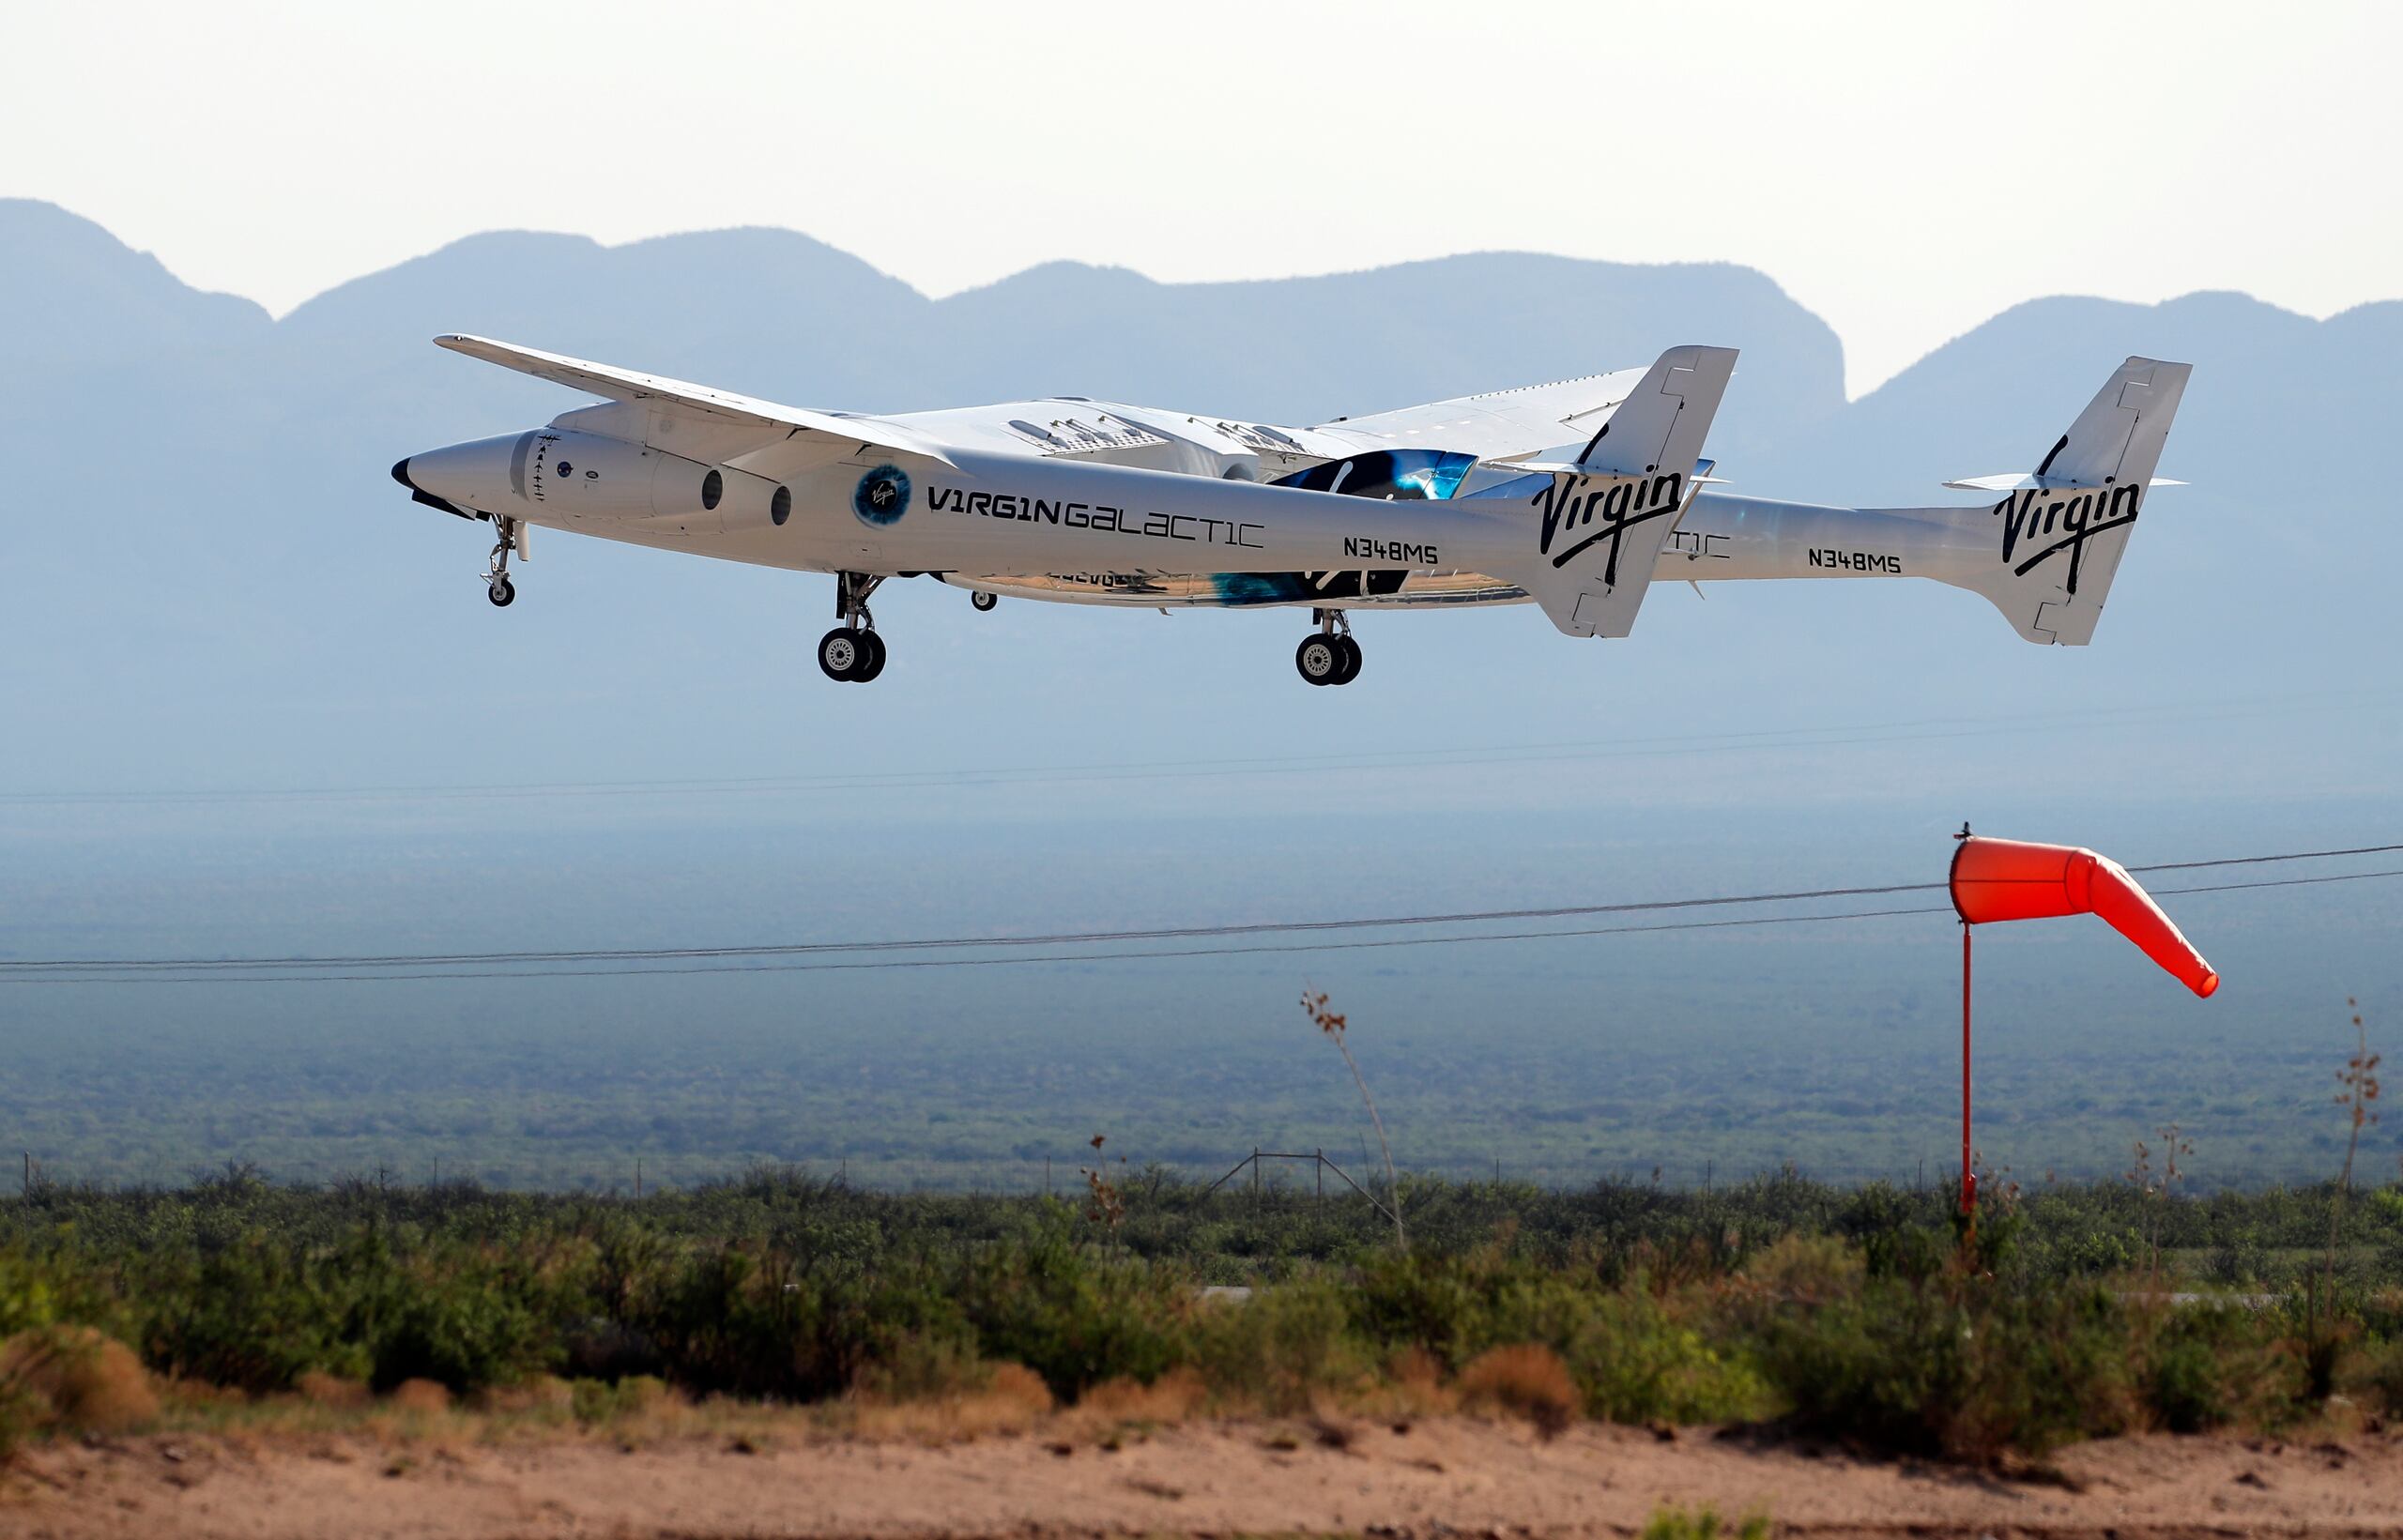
(2026, 479)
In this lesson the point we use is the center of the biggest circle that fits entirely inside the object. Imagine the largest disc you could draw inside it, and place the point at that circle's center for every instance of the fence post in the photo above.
(1255, 1173)
(1318, 1158)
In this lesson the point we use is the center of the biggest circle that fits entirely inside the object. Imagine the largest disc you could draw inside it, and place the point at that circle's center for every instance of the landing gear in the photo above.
(983, 601)
(853, 652)
(1331, 656)
(849, 656)
(497, 585)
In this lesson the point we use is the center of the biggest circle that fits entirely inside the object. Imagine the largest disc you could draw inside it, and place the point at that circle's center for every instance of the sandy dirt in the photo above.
(1217, 1479)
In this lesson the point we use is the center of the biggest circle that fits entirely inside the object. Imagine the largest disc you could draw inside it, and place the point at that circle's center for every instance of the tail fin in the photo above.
(2063, 526)
(1604, 518)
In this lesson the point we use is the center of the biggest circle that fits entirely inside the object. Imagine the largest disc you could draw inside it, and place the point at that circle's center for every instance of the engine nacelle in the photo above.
(746, 502)
(576, 477)
(584, 476)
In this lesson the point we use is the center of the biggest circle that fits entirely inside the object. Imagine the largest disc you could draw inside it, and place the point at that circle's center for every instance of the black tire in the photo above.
(1318, 660)
(502, 594)
(871, 658)
(982, 601)
(1351, 669)
(840, 654)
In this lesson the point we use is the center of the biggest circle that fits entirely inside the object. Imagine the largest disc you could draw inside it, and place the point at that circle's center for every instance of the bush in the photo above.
(1635, 1362)
(1283, 1350)
(461, 1318)
(1701, 1524)
(254, 1317)
(2376, 1376)
(1526, 1381)
(1858, 1314)
(1964, 1369)
(72, 1377)
(1072, 1316)
(2211, 1365)
(741, 1320)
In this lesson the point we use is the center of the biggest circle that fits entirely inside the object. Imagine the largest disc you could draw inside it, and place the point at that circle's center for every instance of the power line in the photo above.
(530, 965)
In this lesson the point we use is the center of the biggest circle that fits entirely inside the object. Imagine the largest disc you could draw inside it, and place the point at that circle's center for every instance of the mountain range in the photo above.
(209, 581)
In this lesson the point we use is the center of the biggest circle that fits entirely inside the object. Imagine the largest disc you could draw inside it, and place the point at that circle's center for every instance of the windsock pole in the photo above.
(1968, 1171)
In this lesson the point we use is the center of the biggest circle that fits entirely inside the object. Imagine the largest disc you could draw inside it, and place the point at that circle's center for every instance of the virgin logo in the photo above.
(2077, 516)
(1616, 504)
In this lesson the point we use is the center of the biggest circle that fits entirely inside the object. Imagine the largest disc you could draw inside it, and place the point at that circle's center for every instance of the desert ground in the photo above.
(1443, 1476)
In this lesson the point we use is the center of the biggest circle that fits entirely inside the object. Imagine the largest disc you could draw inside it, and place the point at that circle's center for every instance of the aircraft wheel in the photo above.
(871, 658)
(840, 653)
(1351, 669)
(983, 601)
(502, 593)
(1318, 659)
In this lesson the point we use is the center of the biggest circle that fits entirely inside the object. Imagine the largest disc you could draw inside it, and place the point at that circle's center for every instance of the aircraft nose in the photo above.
(401, 472)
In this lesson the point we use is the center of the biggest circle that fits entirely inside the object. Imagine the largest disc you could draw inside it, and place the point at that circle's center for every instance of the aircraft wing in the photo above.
(1499, 424)
(721, 408)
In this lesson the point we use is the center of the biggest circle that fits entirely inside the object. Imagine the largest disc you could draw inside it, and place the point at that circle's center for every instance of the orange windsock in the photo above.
(2012, 879)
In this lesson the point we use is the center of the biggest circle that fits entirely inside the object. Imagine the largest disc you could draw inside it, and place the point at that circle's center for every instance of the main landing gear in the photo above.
(1330, 656)
(497, 585)
(853, 652)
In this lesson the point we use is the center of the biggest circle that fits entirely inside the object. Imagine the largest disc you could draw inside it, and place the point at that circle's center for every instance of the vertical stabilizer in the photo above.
(1600, 523)
(2063, 528)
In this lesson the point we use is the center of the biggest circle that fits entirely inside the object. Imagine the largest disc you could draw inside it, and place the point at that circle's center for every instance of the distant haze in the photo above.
(255, 704)
(1903, 170)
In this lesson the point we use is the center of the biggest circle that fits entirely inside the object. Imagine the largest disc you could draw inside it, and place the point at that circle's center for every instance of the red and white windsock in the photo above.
(2012, 880)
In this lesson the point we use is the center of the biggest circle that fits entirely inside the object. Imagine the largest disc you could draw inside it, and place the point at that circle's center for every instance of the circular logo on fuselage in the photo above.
(881, 497)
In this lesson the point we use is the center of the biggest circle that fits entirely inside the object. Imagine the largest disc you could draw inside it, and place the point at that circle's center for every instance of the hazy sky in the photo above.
(1905, 170)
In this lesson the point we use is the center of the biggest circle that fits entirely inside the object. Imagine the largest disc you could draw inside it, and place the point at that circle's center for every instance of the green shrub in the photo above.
(739, 1319)
(1636, 1363)
(1961, 1368)
(256, 1317)
(464, 1317)
(1701, 1524)
(2376, 1376)
(1072, 1315)
(1284, 1347)
(2210, 1365)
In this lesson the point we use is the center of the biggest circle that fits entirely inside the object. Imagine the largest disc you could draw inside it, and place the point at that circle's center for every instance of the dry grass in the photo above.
(1527, 1381)
(546, 1395)
(82, 1380)
(1411, 1389)
(425, 1396)
(1013, 1399)
(332, 1392)
(1113, 1406)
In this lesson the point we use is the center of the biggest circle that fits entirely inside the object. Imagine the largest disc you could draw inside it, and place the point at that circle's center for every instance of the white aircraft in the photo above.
(1575, 496)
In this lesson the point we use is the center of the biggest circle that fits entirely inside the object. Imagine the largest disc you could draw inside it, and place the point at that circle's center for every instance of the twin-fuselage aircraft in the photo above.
(1574, 497)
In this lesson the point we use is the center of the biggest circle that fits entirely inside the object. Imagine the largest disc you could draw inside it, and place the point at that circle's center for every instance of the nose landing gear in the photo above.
(853, 652)
(497, 585)
(1331, 656)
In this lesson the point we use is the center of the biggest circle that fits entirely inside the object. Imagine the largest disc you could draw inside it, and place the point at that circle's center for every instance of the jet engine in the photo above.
(584, 476)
